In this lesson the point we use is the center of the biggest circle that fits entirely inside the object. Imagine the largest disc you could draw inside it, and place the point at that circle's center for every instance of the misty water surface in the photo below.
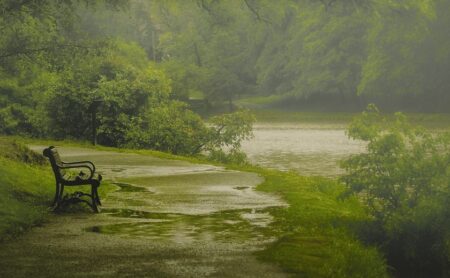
(307, 149)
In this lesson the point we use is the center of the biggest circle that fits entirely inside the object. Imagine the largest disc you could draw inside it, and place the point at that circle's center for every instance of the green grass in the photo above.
(317, 232)
(25, 194)
(27, 188)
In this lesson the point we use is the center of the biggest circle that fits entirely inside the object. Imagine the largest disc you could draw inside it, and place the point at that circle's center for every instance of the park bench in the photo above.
(64, 176)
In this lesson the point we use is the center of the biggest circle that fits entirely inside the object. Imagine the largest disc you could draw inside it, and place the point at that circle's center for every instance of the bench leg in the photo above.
(97, 198)
(57, 196)
(61, 192)
(94, 198)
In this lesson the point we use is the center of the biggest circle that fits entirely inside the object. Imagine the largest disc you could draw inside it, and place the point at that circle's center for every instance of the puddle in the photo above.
(129, 213)
(251, 226)
(194, 193)
(127, 187)
(258, 218)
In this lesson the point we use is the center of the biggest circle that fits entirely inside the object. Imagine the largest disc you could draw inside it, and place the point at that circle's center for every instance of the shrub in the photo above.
(404, 181)
(170, 127)
(174, 128)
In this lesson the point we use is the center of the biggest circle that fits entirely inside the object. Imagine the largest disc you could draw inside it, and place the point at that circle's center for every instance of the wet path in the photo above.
(167, 219)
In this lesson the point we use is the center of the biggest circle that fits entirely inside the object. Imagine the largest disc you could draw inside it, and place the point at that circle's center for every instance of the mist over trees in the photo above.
(57, 63)
(343, 53)
(138, 55)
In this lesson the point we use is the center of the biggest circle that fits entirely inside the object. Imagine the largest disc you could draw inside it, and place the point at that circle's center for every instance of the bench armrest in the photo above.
(81, 163)
(79, 166)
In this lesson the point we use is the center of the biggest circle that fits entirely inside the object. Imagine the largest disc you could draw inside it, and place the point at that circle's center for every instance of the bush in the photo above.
(174, 128)
(171, 128)
(404, 181)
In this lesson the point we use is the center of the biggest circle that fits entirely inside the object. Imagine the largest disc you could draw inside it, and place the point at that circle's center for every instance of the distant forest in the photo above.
(342, 54)
(140, 56)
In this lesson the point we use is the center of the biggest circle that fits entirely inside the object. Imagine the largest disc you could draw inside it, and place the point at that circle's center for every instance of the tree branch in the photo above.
(199, 147)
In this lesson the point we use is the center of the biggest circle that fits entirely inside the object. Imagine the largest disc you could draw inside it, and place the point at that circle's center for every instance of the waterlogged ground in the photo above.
(166, 219)
(309, 149)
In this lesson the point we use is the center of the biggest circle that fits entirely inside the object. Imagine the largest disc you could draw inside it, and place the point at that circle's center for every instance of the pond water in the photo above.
(306, 148)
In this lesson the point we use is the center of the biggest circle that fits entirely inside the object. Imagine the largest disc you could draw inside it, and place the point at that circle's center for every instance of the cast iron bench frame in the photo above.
(59, 167)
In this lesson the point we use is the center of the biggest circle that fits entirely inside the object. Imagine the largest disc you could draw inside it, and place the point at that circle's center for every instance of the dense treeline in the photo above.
(344, 53)
(137, 55)
(56, 70)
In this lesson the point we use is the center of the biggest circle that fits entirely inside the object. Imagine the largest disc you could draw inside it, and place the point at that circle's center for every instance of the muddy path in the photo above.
(167, 218)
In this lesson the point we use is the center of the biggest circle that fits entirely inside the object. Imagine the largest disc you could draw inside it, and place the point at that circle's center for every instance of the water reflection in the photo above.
(247, 225)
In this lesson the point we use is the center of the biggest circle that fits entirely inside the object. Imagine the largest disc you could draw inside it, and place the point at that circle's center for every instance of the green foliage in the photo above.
(204, 48)
(171, 128)
(338, 52)
(404, 180)
(59, 67)
(231, 157)
(229, 130)
(394, 53)
(174, 128)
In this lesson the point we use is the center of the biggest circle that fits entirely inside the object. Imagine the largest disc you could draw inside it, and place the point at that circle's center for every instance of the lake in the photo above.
(309, 149)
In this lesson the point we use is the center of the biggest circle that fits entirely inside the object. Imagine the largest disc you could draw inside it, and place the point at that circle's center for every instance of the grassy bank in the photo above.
(25, 192)
(27, 187)
(317, 232)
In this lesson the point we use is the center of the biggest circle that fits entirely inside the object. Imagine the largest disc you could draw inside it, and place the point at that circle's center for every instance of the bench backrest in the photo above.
(55, 160)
